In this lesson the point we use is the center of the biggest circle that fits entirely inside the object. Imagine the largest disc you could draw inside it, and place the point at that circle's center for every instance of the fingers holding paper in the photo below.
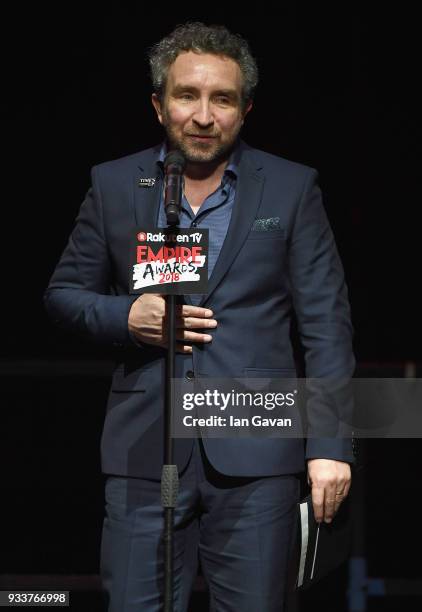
(330, 481)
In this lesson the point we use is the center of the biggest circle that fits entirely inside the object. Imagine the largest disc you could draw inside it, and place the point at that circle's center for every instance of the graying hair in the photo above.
(200, 38)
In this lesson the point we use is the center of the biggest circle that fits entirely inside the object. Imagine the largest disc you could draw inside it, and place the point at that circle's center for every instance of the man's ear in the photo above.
(157, 105)
(247, 109)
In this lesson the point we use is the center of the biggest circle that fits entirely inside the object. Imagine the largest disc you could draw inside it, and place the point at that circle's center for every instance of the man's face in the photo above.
(202, 108)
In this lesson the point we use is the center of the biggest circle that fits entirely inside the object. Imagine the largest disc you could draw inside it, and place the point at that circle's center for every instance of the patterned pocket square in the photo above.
(266, 225)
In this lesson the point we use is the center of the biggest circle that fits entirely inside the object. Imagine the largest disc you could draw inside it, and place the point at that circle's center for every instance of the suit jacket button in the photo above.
(190, 375)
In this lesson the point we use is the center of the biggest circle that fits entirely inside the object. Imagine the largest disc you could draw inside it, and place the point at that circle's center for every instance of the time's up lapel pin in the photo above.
(146, 182)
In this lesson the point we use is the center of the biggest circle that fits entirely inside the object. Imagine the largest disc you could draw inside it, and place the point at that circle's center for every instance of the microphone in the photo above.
(174, 165)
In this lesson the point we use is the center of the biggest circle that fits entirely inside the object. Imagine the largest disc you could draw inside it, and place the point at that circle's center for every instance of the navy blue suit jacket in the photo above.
(296, 267)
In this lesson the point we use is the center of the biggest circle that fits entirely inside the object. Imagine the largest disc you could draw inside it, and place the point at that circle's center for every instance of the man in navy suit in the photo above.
(265, 215)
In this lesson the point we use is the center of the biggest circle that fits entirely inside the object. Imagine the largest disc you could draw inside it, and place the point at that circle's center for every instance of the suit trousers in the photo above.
(239, 529)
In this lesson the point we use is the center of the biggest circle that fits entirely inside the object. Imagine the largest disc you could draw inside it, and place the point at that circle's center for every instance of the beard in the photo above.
(200, 152)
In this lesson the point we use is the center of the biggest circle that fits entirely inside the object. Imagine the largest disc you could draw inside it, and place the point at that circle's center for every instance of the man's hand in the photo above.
(147, 322)
(330, 481)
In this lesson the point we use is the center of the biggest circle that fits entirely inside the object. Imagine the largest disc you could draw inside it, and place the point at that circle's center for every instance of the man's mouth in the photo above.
(201, 137)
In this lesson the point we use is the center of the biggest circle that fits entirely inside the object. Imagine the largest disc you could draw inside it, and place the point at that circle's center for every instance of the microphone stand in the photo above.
(169, 475)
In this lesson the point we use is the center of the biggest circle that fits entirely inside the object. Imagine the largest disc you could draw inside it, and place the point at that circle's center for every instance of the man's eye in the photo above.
(222, 100)
(186, 96)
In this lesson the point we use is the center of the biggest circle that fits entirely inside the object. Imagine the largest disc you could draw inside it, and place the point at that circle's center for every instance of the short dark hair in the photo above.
(200, 38)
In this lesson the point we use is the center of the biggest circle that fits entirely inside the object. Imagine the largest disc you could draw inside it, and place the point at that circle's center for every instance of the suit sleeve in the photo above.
(80, 296)
(322, 309)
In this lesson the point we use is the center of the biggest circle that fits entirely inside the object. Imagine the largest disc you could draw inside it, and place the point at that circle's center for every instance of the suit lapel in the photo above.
(147, 199)
(249, 187)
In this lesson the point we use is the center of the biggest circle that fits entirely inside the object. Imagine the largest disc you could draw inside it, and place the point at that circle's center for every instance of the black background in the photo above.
(338, 91)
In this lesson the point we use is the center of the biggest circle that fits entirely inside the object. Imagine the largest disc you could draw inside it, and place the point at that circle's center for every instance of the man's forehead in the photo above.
(203, 68)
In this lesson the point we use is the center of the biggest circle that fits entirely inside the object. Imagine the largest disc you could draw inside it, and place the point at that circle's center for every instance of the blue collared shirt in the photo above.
(215, 212)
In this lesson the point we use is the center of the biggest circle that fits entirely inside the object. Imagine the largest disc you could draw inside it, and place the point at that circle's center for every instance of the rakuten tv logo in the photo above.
(165, 238)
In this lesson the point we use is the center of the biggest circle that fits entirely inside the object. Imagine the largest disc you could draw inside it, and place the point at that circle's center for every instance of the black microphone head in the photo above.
(176, 160)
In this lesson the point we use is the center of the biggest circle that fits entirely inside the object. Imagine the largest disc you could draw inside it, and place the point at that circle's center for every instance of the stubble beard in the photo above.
(197, 152)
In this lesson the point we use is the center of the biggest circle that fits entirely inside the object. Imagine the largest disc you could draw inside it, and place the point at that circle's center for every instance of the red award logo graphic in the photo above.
(169, 256)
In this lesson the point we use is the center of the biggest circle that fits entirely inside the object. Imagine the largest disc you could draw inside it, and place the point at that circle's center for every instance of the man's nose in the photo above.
(203, 115)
